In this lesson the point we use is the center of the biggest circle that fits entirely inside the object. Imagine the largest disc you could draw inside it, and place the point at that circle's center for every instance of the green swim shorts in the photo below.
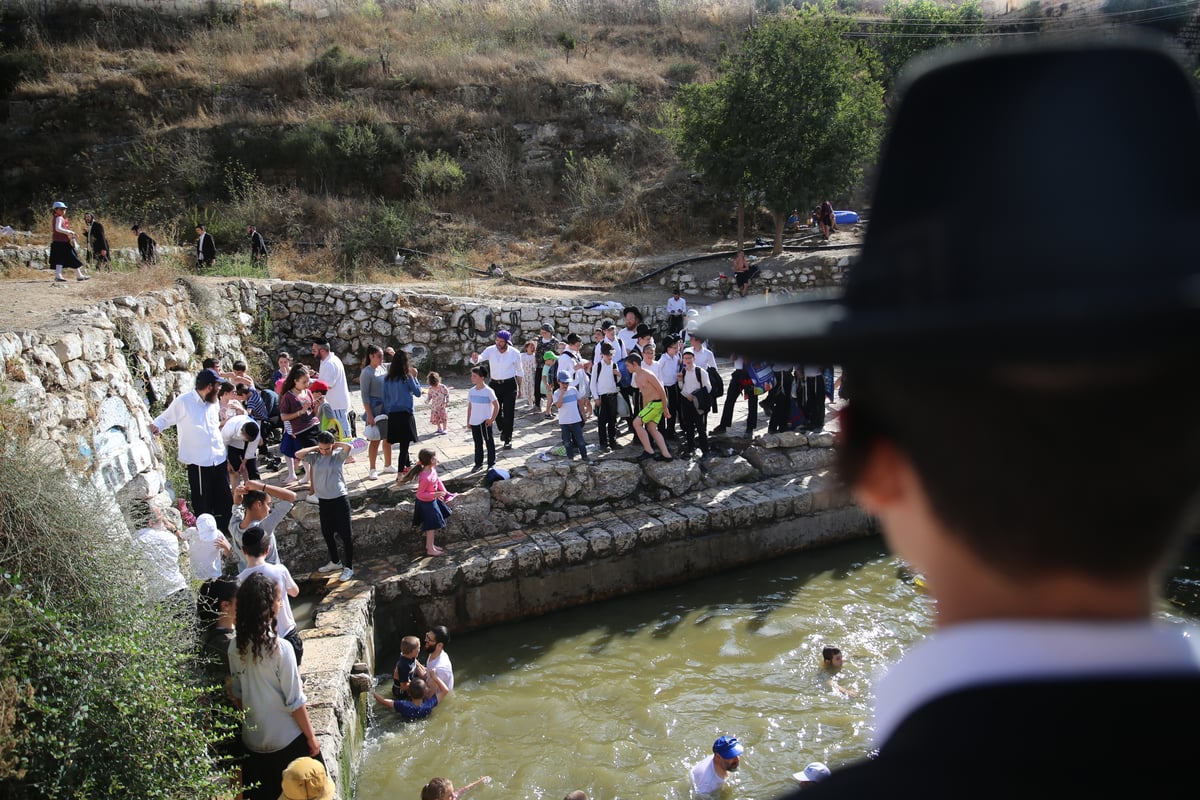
(652, 412)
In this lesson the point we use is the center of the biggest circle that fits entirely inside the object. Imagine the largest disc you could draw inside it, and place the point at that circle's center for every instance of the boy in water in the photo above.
(407, 668)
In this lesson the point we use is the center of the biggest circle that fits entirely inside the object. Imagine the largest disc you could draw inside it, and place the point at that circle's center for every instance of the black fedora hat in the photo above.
(1037, 203)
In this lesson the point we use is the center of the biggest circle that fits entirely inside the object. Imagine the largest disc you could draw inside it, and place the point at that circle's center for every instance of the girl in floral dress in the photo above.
(528, 372)
(439, 401)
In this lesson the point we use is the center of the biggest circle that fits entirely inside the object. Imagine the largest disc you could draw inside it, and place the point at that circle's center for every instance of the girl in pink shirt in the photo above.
(431, 510)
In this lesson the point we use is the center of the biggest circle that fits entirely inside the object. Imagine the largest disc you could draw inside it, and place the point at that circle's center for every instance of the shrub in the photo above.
(682, 71)
(370, 238)
(97, 695)
(436, 174)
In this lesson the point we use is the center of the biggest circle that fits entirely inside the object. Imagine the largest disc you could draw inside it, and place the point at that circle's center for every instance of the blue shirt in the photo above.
(399, 395)
(411, 711)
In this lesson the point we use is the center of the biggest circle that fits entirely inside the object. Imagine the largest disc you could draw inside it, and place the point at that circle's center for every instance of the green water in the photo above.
(620, 698)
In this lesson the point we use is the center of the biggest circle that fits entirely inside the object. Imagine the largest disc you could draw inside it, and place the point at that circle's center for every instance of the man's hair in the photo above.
(210, 363)
(441, 634)
(573, 338)
(252, 496)
(1022, 465)
(255, 541)
(634, 358)
(250, 431)
(325, 437)
(239, 366)
(827, 653)
(605, 349)
(416, 689)
(437, 789)
(282, 354)
(410, 644)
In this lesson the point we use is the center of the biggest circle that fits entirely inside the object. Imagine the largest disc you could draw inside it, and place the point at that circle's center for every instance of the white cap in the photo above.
(58, 204)
(206, 526)
(813, 773)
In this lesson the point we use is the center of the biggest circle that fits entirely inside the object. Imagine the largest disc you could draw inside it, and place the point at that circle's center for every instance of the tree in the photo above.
(791, 118)
(915, 26)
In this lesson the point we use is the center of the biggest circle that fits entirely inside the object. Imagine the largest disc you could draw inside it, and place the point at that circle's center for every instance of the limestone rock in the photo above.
(678, 475)
(727, 471)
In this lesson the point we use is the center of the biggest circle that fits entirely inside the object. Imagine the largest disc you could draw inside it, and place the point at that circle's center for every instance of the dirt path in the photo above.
(31, 298)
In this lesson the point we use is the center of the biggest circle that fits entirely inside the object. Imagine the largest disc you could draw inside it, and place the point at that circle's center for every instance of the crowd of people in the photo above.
(64, 245)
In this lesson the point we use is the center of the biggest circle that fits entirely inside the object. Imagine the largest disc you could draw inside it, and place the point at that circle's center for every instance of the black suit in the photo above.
(97, 244)
(206, 250)
(1061, 739)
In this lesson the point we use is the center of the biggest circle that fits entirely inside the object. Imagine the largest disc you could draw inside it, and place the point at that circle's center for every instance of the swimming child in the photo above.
(439, 401)
(407, 668)
(831, 663)
(443, 789)
(431, 510)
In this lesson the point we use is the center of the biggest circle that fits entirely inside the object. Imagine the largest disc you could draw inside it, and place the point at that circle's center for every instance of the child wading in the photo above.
(431, 510)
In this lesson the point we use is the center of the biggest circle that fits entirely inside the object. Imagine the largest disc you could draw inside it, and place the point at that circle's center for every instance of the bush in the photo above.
(97, 695)
(370, 239)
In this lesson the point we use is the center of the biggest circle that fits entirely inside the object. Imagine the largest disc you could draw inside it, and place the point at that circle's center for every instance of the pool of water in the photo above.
(621, 697)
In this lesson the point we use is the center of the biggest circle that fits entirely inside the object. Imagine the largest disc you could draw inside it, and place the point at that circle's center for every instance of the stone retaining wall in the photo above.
(552, 536)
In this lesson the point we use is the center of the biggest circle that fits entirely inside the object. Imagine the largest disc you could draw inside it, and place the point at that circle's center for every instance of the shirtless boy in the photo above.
(654, 410)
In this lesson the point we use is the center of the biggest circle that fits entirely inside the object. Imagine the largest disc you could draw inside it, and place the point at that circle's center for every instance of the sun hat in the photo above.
(728, 747)
(813, 773)
(58, 204)
(505, 335)
(206, 526)
(306, 779)
(1010, 222)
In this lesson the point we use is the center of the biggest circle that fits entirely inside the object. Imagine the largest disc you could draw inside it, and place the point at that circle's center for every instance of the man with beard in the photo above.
(201, 448)
(709, 775)
(504, 366)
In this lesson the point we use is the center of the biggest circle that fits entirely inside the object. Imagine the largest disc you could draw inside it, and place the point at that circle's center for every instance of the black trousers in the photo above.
(691, 423)
(737, 386)
(335, 521)
(482, 434)
(606, 420)
(211, 493)
(506, 393)
(266, 769)
(668, 425)
(813, 402)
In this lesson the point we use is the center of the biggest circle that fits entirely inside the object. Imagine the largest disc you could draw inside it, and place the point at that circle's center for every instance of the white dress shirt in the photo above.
(199, 426)
(502, 366)
(704, 357)
(333, 372)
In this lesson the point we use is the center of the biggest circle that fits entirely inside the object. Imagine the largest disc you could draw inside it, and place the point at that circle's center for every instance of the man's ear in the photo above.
(881, 482)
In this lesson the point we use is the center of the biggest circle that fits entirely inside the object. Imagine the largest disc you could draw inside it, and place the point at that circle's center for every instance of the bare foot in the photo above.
(437, 551)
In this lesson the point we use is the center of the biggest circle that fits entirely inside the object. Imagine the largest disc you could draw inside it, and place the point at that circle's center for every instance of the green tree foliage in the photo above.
(436, 175)
(98, 697)
(790, 120)
(371, 238)
(915, 26)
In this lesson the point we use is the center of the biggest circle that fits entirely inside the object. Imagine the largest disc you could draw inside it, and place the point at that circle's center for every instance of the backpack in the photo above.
(762, 376)
(626, 377)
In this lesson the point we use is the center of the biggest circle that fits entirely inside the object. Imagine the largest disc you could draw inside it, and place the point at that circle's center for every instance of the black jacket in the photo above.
(1109, 737)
